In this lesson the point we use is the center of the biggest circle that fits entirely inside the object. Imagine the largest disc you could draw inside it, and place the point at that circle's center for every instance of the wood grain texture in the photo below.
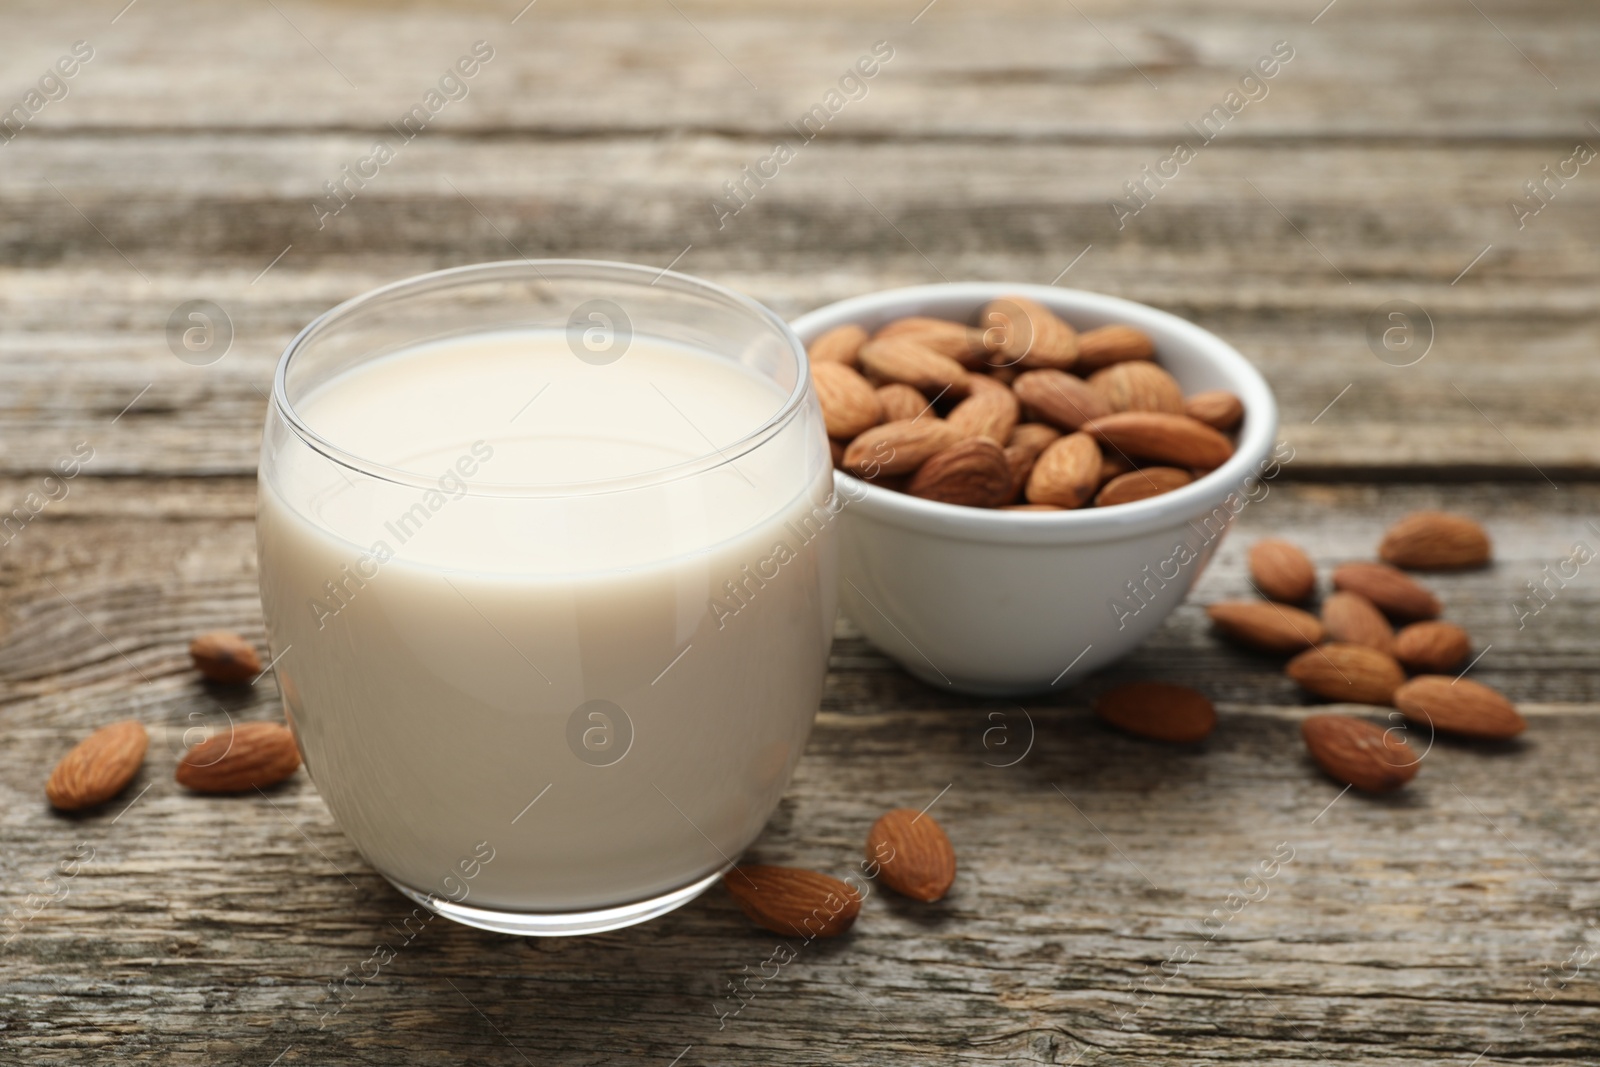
(1429, 927)
(1011, 70)
(1404, 930)
(203, 218)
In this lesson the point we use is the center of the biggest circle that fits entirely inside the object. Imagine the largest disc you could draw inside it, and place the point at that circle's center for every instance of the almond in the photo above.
(1058, 398)
(1026, 334)
(1395, 594)
(1353, 619)
(991, 411)
(1027, 441)
(965, 344)
(836, 450)
(1266, 626)
(901, 359)
(849, 404)
(1282, 571)
(1113, 465)
(1158, 711)
(98, 767)
(913, 854)
(1435, 540)
(973, 472)
(901, 402)
(1352, 673)
(1106, 345)
(898, 447)
(790, 900)
(1359, 753)
(1140, 485)
(1031, 507)
(1432, 646)
(1459, 706)
(1138, 386)
(838, 345)
(1174, 439)
(224, 656)
(1034, 436)
(1066, 472)
(1217, 408)
(251, 755)
(1021, 462)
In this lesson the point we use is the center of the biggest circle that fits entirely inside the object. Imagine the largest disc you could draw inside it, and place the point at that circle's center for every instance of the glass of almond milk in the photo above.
(547, 558)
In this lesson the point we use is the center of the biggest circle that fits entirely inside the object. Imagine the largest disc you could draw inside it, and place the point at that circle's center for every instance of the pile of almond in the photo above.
(1020, 411)
(907, 850)
(249, 756)
(1350, 652)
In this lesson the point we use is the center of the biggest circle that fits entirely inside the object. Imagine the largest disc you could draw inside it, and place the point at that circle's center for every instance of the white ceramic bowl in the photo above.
(1005, 602)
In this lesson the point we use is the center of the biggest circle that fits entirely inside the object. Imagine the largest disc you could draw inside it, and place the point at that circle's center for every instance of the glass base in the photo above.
(561, 923)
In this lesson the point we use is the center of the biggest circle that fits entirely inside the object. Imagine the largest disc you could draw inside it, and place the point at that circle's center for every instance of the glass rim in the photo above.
(712, 459)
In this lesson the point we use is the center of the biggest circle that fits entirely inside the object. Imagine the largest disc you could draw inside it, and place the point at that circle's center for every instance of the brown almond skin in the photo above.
(1027, 335)
(990, 411)
(1353, 673)
(838, 345)
(1113, 465)
(1282, 571)
(1217, 408)
(224, 656)
(1158, 711)
(849, 403)
(1435, 541)
(1141, 485)
(1106, 345)
(973, 473)
(898, 447)
(1352, 618)
(1066, 472)
(901, 402)
(792, 901)
(1138, 385)
(1432, 646)
(252, 755)
(904, 360)
(1359, 753)
(1396, 594)
(1033, 436)
(1022, 451)
(836, 451)
(1459, 706)
(965, 344)
(913, 854)
(98, 767)
(1266, 626)
(1177, 440)
(1058, 398)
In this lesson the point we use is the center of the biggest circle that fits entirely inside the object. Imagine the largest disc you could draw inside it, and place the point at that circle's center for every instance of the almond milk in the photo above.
(532, 672)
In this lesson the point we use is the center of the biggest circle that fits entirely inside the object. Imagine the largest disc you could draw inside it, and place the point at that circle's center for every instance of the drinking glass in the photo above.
(546, 682)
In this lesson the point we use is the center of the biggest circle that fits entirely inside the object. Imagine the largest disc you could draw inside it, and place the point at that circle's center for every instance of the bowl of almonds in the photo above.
(1029, 478)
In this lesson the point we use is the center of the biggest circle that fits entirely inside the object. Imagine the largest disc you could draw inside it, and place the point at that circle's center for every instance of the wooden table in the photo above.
(1431, 927)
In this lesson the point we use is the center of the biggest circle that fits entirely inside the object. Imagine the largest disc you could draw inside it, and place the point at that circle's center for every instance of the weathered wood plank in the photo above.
(1501, 393)
(1020, 70)
(154, 562)
(1413, 918)
(1379, 212)
(1469, 409)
